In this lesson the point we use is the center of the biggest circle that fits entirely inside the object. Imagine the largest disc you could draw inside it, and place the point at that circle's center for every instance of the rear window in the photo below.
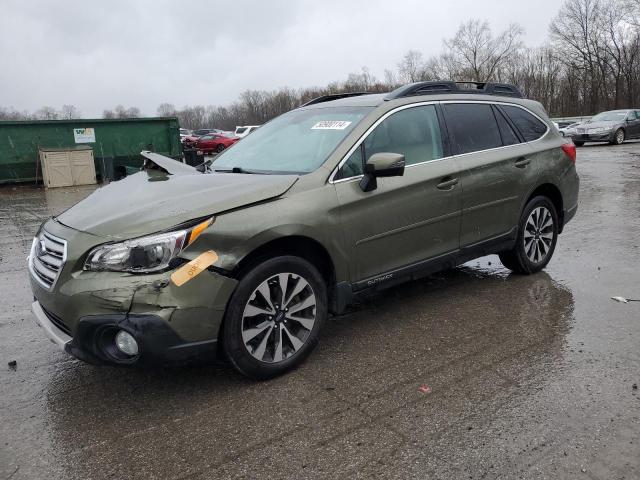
(472, 127)
(529, 126)
(509, 137)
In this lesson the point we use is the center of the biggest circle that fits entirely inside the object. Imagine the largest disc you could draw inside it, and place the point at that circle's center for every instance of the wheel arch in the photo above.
(297, 245)
(553, 193)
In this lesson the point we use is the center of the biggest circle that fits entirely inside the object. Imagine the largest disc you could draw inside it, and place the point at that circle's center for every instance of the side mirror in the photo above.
(381, 165)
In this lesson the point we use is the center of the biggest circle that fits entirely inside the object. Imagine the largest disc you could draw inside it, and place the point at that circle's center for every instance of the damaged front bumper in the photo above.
(85, 310)
(93, 341)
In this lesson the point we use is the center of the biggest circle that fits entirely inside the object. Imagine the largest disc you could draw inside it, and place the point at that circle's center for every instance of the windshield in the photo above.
(240, 130)
(609, 117)
(296, 142)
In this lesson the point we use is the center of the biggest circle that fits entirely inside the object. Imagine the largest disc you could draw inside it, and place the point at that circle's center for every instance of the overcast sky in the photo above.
(97, 54)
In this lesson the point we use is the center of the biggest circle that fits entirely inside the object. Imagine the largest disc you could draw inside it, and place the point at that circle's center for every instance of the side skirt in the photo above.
(346, 293)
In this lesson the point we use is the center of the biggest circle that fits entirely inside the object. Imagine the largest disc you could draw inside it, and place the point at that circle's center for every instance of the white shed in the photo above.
(64, 167)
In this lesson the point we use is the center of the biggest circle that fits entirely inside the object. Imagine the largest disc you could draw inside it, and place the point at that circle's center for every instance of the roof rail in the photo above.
(334, 96)
(447, 86)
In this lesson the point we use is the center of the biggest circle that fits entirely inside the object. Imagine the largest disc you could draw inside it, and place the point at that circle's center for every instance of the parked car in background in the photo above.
(184, 133)
(569, 129)
(338, 198)
(214, 143)
(190, 140)
(204, 131)
(614, 126)
(243, 131)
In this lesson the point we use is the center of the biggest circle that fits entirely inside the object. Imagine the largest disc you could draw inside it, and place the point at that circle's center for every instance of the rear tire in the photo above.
(536, 239)
(274, 317)
(618, 137)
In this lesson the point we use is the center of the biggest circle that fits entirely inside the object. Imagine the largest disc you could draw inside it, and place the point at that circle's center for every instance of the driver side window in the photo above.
(413, 132)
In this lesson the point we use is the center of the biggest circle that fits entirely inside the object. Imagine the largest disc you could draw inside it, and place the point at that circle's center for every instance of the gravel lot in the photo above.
(472, 373)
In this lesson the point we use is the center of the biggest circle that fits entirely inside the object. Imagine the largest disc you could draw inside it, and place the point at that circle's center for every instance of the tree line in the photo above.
(589, 63)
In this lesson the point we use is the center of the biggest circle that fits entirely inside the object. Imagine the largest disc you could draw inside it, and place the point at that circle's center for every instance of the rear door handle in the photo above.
(447, 183)
(522, 162)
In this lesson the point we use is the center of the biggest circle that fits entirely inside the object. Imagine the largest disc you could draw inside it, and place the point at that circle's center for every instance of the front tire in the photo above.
(618, 137)
(274, 317)
(578, 143)
(219, 148)
(536, 239)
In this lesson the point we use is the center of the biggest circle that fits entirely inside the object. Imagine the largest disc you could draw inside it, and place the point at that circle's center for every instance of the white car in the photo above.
(569, 129)
(243, 131)
(184, 133)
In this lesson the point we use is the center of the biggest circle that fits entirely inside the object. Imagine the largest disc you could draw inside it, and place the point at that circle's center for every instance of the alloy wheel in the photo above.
(538, 234)
(278, 317)
(619, 137)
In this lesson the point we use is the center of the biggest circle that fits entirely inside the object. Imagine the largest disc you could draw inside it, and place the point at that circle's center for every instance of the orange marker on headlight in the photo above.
(198, 229)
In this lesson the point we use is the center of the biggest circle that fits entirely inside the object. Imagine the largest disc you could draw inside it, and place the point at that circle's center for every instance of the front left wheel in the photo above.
(274, 317)
(618, 137)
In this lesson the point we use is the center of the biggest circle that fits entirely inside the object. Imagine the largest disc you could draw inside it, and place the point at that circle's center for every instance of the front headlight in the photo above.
(147, 254)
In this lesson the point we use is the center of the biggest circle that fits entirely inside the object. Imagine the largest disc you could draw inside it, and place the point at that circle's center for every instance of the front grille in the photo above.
(57, 321)
(47, 257)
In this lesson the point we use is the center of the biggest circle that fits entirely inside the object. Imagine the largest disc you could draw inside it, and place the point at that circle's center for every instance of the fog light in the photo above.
(126, 343)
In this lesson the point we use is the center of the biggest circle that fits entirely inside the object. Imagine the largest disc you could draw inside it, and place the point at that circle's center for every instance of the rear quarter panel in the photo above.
(555, 168)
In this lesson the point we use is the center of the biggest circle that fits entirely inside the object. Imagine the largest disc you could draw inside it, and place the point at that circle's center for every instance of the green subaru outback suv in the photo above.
(248, 255)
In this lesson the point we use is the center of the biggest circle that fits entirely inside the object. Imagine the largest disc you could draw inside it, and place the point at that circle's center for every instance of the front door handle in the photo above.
(447, 183)
(522, 162)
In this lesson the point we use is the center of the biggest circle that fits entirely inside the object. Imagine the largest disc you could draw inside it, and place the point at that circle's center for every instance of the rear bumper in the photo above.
(94, 339)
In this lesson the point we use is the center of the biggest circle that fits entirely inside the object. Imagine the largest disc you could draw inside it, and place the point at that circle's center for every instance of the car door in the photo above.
(633, 124)
(496, 169)
(409, 218)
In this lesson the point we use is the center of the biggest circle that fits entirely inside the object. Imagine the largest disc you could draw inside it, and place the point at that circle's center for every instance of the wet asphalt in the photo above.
(472, 373)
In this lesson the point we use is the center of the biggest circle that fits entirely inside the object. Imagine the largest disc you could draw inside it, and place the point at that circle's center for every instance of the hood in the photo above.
(607, 124)
(153, 200)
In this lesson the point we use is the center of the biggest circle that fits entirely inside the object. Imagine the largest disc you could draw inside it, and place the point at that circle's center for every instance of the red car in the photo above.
(214, 143)
(189, 141)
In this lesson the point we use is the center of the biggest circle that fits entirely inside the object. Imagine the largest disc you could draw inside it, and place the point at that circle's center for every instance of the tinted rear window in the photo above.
(472, 127)
(530, 127)
(509, 137)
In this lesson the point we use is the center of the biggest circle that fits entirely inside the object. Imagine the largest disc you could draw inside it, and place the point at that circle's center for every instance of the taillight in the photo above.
(570, 150)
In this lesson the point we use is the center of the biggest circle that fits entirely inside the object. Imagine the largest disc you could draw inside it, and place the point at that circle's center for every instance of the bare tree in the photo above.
(69, 112)
(576, 32)
(133, 112)
(478, 55)
(47, 113)
(166, 110)
(411, 67)
(13, 114)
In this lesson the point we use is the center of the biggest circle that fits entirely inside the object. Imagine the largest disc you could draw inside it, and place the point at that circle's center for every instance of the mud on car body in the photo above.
(344, 195)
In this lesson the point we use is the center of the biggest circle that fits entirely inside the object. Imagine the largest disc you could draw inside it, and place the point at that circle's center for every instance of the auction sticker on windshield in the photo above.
(331, 125)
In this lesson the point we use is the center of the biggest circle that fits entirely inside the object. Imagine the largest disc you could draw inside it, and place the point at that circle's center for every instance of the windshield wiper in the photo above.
(238, 170)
